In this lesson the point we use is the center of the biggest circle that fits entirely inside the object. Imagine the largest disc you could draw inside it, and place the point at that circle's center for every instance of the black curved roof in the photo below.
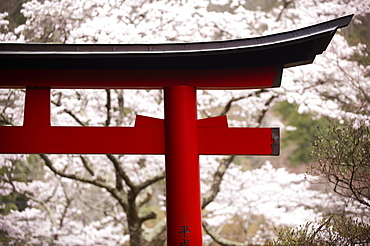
(285, 49)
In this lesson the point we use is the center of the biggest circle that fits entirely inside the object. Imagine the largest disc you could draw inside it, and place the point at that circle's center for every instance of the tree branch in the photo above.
(232, 100)
(65, 209)
(4, 120)
(108, 106)
(320, 227)
(147, 216)
(218, 239)
(151, 181)
(88, 165)
(122, 173)
(42, 203)
(69, 112)
(286, 4)
(217, 179)
(98, 183)
(58, 103)
(264, 111)
(229, 104)
(121, 107)
(121, 197)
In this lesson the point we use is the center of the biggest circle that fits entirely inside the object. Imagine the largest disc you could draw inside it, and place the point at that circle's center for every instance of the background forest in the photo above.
(315, 193)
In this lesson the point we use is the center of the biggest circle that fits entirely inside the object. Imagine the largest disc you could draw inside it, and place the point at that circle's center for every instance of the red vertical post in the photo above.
(37, 107)
(184, 216)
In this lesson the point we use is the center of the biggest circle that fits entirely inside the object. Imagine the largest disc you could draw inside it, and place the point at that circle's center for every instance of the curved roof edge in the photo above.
(284, 49)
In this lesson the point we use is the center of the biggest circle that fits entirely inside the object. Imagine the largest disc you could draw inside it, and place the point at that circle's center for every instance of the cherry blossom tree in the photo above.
(120, 200)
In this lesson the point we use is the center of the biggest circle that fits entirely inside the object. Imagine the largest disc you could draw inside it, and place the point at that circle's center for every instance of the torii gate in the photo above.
(179, 69)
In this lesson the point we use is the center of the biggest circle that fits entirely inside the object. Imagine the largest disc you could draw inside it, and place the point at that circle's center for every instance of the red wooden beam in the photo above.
(245, 78)
(37, 107)
(133, 140)
(82, 140)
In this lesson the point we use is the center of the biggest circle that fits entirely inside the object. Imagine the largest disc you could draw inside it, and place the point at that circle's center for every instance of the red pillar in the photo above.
(37, 107)
(184, 216)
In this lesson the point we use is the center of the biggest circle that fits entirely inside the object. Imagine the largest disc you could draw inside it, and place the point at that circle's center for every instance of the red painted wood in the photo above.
(218, 121)
(235, 141)
(245, 78)
(183, 198)
(82, 140)
(130, 140)
(37, 107)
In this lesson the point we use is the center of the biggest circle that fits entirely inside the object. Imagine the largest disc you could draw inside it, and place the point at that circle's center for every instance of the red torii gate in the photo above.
(179, 69)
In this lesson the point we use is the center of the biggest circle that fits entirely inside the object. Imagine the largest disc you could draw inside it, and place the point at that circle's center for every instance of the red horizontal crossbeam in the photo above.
(147, 137)
(245, 78)
(212, 140)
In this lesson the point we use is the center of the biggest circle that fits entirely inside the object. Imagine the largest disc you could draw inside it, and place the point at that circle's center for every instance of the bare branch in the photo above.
(98, 183)
(229, 104)
(218, 239)
(286, 4)
(151, 181)
(4, 120)
(266, 108)
(232, 100)
(217, 179)
(121, 107)
(321, 226)
(31, 197)
(108, 106)
(67, 205)
(46, 207)
(58, 103)
(147, 216)
(87, 164)
(343, 155)
(74, 116)
(118, 167)
(117, 194)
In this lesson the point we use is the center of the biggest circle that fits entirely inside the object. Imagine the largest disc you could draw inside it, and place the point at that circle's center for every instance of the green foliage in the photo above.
(359, 33)
(303, 136)
(336, 230)
(13, 8)
(25, 170)
(21, 171)
(13, 201)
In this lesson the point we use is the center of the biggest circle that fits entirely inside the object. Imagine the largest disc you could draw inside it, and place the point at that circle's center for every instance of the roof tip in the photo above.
(344, 20)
